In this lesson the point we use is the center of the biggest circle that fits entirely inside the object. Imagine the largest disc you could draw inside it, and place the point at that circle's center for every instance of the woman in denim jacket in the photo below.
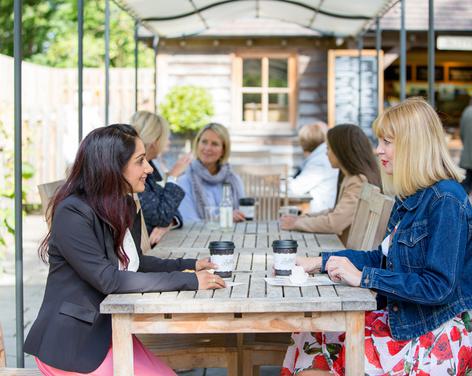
(422, 271)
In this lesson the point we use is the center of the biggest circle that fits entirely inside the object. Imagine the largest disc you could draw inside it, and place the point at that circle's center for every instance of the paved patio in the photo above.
(35, 273)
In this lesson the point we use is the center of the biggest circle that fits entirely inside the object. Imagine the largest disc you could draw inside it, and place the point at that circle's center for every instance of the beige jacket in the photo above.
(338, 220)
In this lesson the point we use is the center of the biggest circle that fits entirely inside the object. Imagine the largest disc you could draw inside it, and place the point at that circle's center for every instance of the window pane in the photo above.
(252, 107)
(278, 107)
(252, 69)
(278, 73)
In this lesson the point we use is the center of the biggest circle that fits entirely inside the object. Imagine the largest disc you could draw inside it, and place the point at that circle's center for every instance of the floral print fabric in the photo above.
(444, 351)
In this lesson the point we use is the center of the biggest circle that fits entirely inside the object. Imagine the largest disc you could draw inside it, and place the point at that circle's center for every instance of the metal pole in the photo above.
(136, 65)
(80, 63)
(402, 52)
(17, 52)
(378, 47)
(107, 60)
(155, 43)
(359, 104)
(431, 60)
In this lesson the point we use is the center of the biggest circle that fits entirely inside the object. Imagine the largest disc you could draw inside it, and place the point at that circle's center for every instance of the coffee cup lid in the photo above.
(247, 201)
(284, 243)
(221, 245)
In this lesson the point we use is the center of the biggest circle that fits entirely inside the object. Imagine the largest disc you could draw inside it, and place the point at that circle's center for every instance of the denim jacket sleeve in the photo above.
(429, 271)
(360, 259)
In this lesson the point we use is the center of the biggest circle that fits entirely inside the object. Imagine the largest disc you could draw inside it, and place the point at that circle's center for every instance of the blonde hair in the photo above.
(222, 133)
(151, 128)
(421, 154)
(311, 136)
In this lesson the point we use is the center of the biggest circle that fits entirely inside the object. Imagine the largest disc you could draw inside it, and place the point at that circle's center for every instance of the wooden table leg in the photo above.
(355, 324)
(122, 343)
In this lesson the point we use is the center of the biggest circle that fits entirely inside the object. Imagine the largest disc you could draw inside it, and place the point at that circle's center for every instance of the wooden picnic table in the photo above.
(251, 307)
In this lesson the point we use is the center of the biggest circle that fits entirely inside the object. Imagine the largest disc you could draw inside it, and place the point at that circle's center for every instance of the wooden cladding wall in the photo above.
(50, 116)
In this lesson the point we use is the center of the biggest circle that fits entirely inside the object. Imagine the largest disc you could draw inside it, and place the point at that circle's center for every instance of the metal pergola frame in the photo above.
(18, 113)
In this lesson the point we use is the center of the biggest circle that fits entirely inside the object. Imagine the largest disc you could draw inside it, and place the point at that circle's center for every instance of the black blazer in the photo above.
(69, 332)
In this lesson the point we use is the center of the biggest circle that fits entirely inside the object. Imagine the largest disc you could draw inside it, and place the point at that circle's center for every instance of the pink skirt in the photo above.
(145, 364)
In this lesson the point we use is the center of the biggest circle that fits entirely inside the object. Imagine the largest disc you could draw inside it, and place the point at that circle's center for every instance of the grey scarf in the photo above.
(199, 174)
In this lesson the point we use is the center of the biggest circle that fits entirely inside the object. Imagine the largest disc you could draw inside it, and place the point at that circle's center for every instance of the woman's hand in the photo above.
(205, 264)
(340, 269)
(287, 222)
(207, 281)
(181, 165)
(309, 264)
(238, 216)
(157, 233)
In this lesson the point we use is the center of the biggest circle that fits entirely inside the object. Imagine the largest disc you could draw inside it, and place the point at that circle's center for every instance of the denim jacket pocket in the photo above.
(411, 247)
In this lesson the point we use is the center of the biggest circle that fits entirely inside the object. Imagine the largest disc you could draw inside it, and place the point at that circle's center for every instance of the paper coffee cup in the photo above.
(285, 254)
(222, 254)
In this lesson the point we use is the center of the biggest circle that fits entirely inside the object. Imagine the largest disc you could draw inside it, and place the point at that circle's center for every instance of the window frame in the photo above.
(264, 90)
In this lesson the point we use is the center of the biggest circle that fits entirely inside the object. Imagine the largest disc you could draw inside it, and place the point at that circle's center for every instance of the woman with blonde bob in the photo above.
(159, 202)
(422, 271)
(204, 179)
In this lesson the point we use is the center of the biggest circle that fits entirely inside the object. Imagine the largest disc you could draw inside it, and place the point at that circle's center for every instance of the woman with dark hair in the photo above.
(350, 150)
(93, 249)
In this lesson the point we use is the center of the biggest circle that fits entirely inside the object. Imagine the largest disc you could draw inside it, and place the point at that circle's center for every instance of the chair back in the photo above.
(145, 242)
(46, 193)
(3, 358)
(248, 175)
(266, 190)
(371, 219)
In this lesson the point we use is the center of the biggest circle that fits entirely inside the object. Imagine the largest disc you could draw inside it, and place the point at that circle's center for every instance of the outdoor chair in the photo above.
(47, 191)
(12, 371)
(266, 190)
(145, 242)
(371, 219)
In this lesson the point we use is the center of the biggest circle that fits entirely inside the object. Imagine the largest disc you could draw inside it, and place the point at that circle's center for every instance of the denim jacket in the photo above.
(427, 278)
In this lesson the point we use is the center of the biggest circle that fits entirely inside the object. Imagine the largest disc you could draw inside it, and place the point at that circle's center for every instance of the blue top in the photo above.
(427, 275)
(213, 196)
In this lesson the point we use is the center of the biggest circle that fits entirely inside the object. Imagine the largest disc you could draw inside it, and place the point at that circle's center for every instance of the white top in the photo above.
(317, 178)
(130, 249)
(386, 242)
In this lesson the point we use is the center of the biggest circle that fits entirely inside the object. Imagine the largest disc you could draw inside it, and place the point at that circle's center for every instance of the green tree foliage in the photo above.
(50, 34)
(187, 108)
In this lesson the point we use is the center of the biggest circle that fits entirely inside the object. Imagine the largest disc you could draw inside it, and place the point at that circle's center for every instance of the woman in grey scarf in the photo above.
(204, 179)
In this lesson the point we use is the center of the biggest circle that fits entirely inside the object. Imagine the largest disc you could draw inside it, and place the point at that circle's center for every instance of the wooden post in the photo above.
(122, 345)
(355, 325)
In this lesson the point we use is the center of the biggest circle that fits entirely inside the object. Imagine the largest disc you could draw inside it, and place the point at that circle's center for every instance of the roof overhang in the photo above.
(186, 18)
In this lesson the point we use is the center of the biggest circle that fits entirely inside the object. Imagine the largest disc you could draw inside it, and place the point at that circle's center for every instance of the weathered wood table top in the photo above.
(253, 236)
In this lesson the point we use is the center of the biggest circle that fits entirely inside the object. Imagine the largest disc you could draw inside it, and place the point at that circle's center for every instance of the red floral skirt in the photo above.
(444, 351)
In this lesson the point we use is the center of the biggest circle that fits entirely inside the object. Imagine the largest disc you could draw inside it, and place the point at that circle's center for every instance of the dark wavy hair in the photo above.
(354, 152)
(97, 178)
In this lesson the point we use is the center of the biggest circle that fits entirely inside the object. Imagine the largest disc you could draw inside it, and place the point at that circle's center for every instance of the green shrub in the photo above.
(187, 108)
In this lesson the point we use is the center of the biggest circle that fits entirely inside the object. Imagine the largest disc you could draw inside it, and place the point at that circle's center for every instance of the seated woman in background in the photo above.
(93, 248)
(159, 203)
(350, 150)
(422, 272)
(204, 179)
(316, 177)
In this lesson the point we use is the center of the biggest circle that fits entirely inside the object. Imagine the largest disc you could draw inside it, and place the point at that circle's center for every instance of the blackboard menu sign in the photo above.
(344, 96)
